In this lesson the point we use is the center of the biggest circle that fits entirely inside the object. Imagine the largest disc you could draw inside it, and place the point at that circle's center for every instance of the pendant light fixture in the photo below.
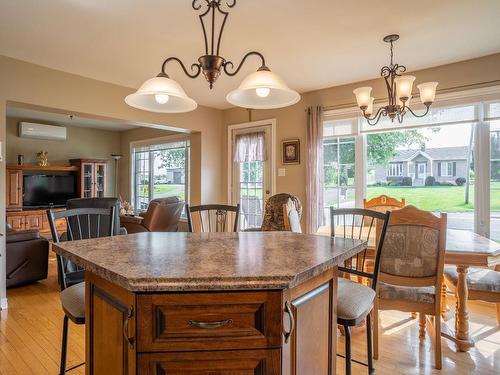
(399, 90)
(260, 90)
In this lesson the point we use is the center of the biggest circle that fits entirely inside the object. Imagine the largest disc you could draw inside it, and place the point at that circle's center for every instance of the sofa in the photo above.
(27, 257)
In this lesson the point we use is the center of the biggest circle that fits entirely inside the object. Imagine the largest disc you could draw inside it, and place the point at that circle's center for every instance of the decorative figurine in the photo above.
(42, 157)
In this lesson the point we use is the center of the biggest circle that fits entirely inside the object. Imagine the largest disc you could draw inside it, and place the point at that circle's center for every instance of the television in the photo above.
(42, 191)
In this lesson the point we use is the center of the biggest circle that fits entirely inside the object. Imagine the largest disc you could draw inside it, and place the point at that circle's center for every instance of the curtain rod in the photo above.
(441, 91)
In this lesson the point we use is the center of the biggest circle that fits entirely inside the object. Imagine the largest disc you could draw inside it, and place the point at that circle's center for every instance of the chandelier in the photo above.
(260, 90)
(399, 90)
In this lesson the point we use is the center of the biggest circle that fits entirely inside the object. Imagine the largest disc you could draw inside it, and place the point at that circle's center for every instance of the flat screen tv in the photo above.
(41, 191)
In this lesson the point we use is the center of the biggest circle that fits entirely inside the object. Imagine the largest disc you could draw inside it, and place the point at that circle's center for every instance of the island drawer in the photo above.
(209, 321)
(218, 362)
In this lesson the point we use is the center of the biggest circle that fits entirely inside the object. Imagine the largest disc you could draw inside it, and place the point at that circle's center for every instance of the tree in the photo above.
(173, 158)
(381, 147)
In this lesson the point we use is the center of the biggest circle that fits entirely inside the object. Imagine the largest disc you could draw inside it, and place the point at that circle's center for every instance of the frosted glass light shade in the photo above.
(152, 94)
(427, 91)
(363, 96)
(369, 110)
(404, 86)
(253, 92)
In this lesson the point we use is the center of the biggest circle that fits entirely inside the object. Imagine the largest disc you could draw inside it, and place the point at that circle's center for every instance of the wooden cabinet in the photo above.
(14, 188)
(34, 220)
(92, 177)
(310, 316)
(110, 328)
(16, 222)
(290, 332)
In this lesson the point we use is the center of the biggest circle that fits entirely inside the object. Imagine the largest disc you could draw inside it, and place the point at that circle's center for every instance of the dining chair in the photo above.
(291, 217)
(355, 300)
(411, 270)
(274, 215)
(81, 223)
(384, 203)
(213, 217)
(483, 285)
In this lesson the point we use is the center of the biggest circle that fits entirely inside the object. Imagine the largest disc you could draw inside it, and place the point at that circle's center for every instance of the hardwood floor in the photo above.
(30, 338)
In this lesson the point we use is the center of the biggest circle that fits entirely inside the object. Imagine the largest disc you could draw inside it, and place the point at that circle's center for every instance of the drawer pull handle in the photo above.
(288, 310)
(128, 339)
(210, 325)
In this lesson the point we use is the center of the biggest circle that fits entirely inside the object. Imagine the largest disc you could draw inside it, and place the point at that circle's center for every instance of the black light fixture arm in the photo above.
(376, 118)
(229, 63)
(194, 67)
(427, 105)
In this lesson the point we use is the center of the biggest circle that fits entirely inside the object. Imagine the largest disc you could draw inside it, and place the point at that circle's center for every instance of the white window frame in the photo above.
(480, 98)
(395, 169)
(159, 141)
(447, 171)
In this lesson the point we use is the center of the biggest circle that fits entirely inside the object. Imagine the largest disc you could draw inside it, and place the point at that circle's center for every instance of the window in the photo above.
(339, 168)
(395, 170)
(447, 169)
(495, 180)
(159, 171)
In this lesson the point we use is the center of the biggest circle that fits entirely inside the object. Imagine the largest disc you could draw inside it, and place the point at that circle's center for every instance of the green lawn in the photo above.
(436, 198)
(164, 190)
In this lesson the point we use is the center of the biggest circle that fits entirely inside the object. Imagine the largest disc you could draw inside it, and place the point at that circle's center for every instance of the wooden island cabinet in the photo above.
(230, 303)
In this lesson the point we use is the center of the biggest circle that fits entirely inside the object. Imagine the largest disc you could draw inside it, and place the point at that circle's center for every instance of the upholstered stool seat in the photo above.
(355, 301)
(414, 294)
(477, 279)
(73, 302)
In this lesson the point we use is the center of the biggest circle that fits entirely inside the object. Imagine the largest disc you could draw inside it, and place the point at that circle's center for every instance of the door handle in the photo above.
(128, 339)
(210, 325)
(288, 310)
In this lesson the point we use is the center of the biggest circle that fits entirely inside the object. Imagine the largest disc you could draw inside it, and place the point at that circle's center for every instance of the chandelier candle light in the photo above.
(399, 90)
(260, 90)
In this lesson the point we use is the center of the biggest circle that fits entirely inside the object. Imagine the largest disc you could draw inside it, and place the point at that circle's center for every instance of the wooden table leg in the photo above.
(463, 341)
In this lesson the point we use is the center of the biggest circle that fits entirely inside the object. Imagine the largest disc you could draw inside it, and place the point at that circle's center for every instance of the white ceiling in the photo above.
(60, 119)
(311, 44)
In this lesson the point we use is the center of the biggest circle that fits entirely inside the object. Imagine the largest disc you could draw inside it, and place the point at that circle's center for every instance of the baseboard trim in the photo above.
(4, 305)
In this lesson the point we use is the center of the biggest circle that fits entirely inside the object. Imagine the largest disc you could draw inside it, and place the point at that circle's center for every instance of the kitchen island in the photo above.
(210, 303)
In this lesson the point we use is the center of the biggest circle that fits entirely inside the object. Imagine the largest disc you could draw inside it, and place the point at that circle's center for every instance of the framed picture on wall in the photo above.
(290, 153)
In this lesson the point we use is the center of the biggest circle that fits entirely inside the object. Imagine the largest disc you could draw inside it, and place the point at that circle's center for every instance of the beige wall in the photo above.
(291, 121)
(80, 143)
(33, 85)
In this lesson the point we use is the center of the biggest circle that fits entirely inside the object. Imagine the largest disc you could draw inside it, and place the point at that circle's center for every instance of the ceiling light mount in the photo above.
(399, 92)
(265, 90)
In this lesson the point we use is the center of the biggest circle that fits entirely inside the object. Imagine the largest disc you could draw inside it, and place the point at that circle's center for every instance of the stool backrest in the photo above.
(81, 224)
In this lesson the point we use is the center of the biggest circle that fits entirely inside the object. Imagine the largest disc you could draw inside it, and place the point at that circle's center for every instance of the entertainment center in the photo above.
(31, 189)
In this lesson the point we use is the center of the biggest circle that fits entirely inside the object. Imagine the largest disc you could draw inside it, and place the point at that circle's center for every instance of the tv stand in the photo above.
(25, 218)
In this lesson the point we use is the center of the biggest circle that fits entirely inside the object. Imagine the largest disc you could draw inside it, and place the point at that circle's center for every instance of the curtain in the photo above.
(250, 147)
(314, 177)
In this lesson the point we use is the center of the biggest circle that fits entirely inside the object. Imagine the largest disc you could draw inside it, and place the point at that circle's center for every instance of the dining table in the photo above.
(464, 249)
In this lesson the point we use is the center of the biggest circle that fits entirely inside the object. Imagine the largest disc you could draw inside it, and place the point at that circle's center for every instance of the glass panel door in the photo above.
(251, 184)
(339, 176)
(495, 180)
(100, 179)
(141, 180)
(87, 180)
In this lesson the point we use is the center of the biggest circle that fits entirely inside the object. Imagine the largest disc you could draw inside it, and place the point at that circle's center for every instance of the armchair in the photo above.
(163, 215)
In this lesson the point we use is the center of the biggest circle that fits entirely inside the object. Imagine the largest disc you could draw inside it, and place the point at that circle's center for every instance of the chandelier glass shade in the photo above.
(260, 90)
(399, 91)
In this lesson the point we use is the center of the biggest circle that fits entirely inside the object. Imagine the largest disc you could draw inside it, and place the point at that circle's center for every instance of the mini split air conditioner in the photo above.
(41, 131)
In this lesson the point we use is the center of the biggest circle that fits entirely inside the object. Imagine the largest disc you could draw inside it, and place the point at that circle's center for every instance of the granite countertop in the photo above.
(209, 261)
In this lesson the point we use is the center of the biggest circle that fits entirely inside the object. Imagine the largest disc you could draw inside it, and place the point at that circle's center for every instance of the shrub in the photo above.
(460, 181)
(447, 184)
(406, 181)
(430, 181)
(392, 183)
